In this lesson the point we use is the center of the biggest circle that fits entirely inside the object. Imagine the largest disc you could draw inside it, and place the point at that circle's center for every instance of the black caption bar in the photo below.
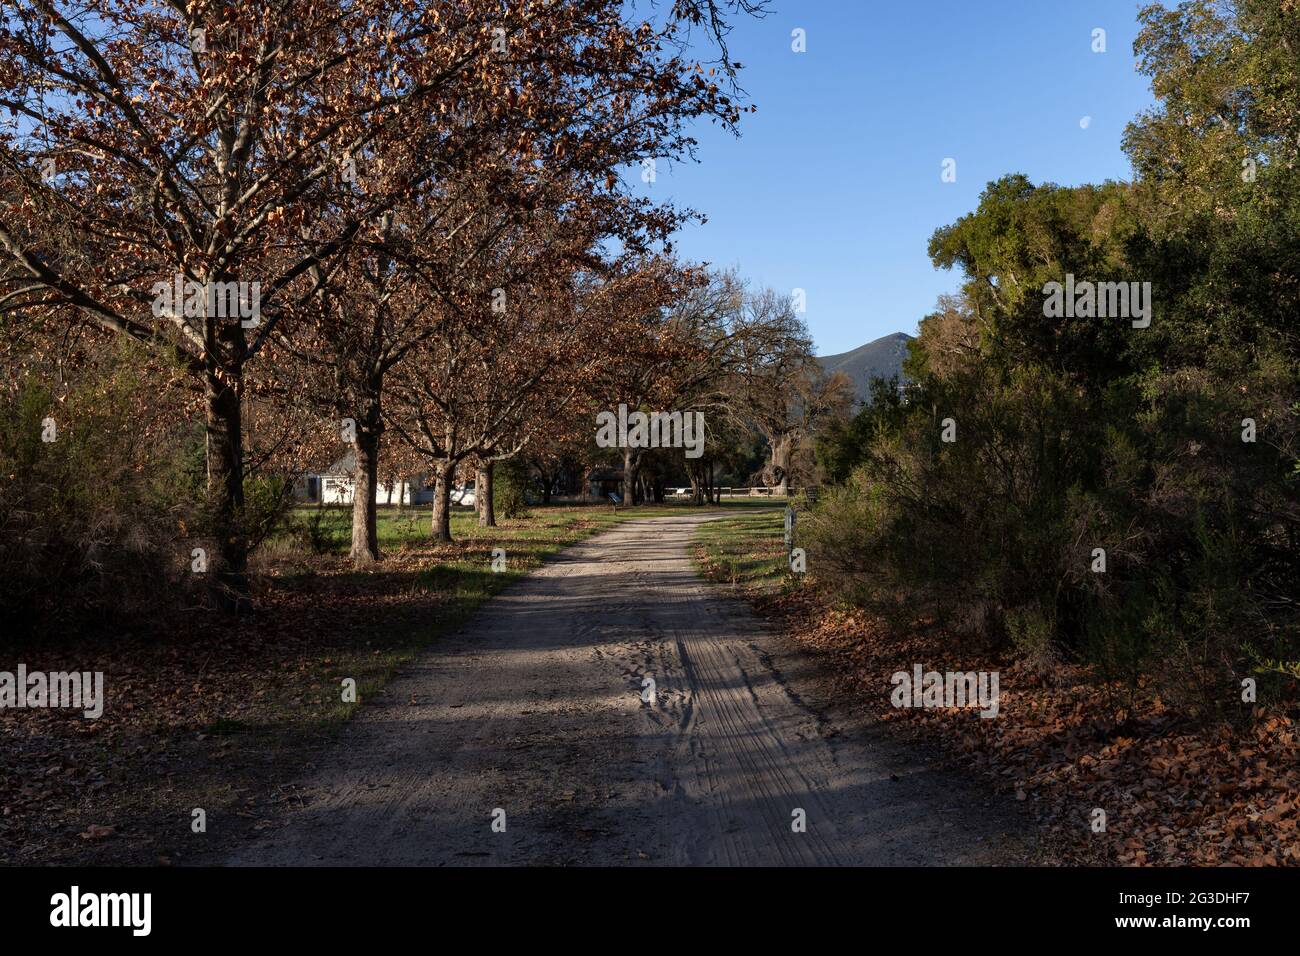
(337, 905)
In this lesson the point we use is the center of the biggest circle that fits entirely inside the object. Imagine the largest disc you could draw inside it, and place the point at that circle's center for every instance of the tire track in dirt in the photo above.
(535, 708)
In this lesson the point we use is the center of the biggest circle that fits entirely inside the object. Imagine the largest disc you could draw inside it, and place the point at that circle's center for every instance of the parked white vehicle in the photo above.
(464, 496)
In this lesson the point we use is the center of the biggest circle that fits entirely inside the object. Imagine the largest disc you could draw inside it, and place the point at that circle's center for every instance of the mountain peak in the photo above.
(882, 357)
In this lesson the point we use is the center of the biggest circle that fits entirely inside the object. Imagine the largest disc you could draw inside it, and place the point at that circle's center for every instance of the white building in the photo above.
(336, 486)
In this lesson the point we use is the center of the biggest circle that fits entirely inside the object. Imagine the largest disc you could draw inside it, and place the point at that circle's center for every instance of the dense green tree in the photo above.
(1115, 489)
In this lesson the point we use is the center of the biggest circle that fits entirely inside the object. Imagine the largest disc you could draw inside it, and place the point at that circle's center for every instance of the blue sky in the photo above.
(834, 185)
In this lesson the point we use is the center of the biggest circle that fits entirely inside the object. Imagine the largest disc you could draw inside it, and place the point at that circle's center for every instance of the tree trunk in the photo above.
(365, 537)
(441, 530)
(630, 457)
(483, 496)
(225, 459)
(779, 471)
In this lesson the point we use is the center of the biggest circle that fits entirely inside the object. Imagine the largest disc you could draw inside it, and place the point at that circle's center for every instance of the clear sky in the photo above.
(834, 185)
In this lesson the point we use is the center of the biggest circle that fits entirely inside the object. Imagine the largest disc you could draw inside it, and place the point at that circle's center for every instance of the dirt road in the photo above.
(533, 716)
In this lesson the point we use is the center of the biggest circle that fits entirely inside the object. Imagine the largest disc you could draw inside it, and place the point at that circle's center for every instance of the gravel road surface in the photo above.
(532, 716)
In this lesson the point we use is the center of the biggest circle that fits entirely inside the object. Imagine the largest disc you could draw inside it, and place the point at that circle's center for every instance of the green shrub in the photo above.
(510, 488)
(324, 531)
(101, 521)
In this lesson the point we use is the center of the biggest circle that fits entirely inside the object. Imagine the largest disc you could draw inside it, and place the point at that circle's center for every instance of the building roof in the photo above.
(345, 465)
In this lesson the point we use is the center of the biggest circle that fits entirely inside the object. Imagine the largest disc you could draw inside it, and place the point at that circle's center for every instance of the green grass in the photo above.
(746, 551)
(554, 523)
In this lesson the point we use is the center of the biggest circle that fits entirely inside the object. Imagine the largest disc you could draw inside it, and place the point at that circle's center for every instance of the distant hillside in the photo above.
(883, 358)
